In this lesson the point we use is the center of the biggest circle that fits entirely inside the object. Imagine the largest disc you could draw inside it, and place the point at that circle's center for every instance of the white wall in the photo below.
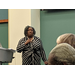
(35, 20)
(18, 20)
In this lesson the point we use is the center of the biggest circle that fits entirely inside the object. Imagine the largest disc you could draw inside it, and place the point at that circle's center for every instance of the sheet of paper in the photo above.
(9, 49)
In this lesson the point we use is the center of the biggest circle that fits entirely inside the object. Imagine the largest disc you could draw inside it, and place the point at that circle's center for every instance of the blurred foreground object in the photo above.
(62, 54)
(6, 55)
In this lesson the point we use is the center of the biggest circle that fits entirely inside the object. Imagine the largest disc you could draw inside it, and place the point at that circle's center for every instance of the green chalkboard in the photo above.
(4, 36)
(54, 24)
(3, 14)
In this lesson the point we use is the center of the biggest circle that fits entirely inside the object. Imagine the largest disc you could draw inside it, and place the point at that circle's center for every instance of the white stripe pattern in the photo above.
(31, 52)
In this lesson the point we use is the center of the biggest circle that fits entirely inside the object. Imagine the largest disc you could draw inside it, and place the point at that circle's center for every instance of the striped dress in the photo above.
(31, 52)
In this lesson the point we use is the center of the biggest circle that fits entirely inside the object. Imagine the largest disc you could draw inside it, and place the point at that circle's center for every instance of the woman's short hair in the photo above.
(67, 38)
(26, 30)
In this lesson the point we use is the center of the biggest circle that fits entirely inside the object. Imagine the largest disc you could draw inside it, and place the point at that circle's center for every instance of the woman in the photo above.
(31, 48)
(66, 38)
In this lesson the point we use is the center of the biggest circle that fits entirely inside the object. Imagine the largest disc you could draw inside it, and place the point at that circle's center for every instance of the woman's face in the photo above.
(30, 32)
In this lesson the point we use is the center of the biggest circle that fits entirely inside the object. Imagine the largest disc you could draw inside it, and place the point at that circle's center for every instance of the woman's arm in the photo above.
(21, 45)
(43, 54)
(37, 44)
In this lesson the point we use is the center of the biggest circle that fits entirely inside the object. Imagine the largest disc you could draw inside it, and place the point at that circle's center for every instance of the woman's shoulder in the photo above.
(22, 39)
(36, 37)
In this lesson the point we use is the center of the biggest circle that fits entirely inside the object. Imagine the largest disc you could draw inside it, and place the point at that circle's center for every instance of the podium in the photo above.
(6, 55)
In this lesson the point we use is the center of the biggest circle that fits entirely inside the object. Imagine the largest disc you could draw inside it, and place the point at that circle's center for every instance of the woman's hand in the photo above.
(46, 62)
(29, 40)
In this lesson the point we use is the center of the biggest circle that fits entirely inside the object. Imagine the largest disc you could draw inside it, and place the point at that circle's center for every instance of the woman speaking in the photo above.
(31, 48)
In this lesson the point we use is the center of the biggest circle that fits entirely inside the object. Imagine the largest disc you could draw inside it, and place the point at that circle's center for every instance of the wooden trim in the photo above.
(3, 21)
